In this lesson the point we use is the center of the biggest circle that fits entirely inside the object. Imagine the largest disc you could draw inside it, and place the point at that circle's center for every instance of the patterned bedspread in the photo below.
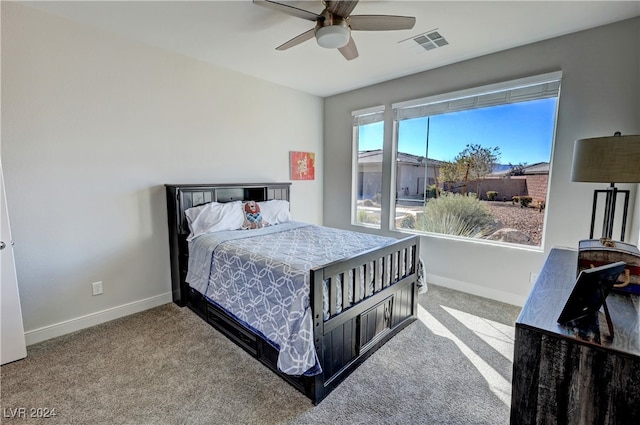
(261, 277)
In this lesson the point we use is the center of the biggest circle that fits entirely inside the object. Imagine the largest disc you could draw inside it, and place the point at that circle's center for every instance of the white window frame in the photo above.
(361, 117)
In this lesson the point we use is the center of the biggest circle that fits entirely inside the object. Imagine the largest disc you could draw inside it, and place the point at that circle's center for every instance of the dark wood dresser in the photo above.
(570, 375)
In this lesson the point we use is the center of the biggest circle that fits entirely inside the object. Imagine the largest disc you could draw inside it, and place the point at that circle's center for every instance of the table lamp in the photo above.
(612, 159)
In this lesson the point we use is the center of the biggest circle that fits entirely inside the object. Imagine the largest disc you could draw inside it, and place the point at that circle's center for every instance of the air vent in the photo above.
(426, 41)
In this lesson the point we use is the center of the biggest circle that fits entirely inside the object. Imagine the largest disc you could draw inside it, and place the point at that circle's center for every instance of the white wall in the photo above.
(93, 125)
(600, 94)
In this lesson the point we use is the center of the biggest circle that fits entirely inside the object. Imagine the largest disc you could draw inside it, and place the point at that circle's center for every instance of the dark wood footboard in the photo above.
(370, 316)
(388, 305)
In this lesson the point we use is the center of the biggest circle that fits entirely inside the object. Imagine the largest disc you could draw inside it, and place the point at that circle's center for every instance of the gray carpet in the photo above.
(166, 366)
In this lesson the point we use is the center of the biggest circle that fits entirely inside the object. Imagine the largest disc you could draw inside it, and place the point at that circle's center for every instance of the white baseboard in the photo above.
(481, 291)
(72, 325)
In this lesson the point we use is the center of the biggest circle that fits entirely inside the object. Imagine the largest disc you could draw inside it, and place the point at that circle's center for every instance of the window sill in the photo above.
(498, 244)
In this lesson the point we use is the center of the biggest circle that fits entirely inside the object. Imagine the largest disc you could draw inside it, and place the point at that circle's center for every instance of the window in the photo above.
(368, 138)
(476, 163)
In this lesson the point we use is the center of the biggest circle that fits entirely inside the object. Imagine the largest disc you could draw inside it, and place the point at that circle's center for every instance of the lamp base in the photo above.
(611, 197)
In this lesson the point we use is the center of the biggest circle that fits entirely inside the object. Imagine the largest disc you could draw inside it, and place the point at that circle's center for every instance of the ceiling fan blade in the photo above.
(380, 22)
(349, 51)
(341, 8)
(289, 10)
(307, 35)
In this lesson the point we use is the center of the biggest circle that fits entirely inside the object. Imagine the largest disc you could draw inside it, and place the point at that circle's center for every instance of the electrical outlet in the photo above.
(97, 288)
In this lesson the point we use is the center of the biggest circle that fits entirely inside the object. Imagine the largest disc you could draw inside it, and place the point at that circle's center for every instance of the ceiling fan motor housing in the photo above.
(332, 33)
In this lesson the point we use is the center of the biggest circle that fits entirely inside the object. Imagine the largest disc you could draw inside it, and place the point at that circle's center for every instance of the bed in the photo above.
(354, 299)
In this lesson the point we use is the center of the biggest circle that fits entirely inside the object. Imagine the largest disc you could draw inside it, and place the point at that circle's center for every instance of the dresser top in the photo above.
(550, 293)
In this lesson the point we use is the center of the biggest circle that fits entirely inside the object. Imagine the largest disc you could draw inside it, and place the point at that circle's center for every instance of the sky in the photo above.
(523, 131)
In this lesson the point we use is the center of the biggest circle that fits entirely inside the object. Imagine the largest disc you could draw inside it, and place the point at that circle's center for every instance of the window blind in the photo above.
(368, 116)
(498, 94)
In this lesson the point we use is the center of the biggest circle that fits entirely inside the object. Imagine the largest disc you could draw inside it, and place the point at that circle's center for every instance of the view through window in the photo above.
(368, 136)
(477, 165)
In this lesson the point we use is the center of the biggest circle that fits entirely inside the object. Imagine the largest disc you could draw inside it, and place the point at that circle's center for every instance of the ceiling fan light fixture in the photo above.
(333, 36)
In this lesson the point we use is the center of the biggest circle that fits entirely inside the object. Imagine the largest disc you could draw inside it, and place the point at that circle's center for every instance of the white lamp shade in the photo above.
(613, 159)
(333, 36)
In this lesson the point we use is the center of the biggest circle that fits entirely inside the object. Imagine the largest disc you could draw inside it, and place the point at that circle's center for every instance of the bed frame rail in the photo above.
(368, 319)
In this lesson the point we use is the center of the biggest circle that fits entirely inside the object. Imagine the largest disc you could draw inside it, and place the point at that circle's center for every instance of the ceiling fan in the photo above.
(335, 23)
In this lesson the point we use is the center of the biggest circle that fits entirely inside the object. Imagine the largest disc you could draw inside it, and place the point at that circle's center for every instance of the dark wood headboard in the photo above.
(181, 197)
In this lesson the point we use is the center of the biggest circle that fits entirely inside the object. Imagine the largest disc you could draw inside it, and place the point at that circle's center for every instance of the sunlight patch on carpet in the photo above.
(497, 384)
(498, 335)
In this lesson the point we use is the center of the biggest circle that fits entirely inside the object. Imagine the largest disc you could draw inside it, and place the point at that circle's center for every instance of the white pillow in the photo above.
(214, 217)
(275, 211)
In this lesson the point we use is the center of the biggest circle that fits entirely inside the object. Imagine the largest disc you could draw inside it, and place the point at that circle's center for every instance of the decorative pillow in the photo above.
(275, 211)
(214, 217)
(252, 217)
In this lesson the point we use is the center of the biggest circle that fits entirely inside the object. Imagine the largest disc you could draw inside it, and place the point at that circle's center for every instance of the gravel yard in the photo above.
(529, 221)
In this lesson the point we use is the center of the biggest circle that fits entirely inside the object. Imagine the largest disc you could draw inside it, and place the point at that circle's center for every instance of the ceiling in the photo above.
(242, 36)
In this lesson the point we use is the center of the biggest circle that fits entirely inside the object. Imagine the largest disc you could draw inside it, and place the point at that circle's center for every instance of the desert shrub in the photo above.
(368, 203)
(377, 198)
(432, 191)
(524, 201)
(492, 195)
(408, 222)
(366, 217)
(456, 214)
